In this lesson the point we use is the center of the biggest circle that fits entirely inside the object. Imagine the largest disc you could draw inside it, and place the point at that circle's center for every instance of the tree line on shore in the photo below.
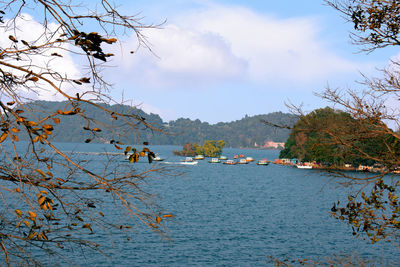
(246, 132)
(334, 137)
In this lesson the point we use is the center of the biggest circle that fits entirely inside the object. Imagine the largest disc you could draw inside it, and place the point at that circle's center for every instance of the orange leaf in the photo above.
(18, 212)
(34, 79)
(56, 120)
(32, 214)
(3, 137)
(31, 123)
(48, 127)
(41, 172)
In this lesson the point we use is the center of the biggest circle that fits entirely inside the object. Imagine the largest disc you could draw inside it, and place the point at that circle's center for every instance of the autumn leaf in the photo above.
(41, 173)
(56, 120)
(48, 127)
(57, 55)
(31, 123)
(110, 40)
(32, 214)
(31, 235)
(85, 80)
(41, 199)
(18, 212)
(3, 137)
(158, 219)
(87, 225)
(10, 103)
(127, 149)
(168, 216)
(34, 79)
(15, 130)
(12, 38)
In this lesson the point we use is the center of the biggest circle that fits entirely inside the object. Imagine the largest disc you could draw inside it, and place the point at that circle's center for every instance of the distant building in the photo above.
(272, 144)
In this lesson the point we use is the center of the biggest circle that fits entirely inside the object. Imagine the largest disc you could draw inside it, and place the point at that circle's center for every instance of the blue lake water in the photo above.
(236, 216)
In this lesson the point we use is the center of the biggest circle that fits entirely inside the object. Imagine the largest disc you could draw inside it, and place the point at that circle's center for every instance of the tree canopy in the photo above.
(333, 137)
(374, 211)
(210, 148)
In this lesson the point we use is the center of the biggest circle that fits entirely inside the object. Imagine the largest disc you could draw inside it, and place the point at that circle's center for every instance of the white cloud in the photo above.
(224, 43)
(183, 56)
(27, 29)
(273, 48)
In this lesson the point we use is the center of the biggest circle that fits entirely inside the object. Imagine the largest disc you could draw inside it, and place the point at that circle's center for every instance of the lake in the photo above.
(236, 216)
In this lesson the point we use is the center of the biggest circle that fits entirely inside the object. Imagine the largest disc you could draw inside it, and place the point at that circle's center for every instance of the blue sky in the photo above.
(220, 60)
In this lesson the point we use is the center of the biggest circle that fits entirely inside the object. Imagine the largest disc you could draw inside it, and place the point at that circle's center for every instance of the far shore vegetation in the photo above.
(210, 148)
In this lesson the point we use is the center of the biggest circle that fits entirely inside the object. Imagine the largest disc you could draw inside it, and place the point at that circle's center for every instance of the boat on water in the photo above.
(223, 158)
(214, 160)
(230, 162)
(243, 161)
(199, 157)
(249, 159)
(189, 162)
(188, 159)
(158, 158)
(306, 167)
(263, 162)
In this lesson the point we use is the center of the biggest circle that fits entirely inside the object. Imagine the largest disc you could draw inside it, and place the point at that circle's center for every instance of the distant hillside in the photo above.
(247, 132)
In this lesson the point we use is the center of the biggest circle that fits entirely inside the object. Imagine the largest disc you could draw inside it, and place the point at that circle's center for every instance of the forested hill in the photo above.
(245, 132)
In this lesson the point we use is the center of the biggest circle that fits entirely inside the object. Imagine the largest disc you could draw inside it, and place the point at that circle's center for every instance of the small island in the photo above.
(210, 148)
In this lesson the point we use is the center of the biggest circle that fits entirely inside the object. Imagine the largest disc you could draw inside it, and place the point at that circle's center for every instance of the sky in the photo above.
(219, 61)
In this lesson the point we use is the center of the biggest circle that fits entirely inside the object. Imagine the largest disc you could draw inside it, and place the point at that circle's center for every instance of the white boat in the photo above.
(157, 158)
(214, 160)
(223, 158)
(199, 157)
(188, 162)
(188, 159)
(263, 162)
(307, 167)
(243, 161)
(249, 159)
